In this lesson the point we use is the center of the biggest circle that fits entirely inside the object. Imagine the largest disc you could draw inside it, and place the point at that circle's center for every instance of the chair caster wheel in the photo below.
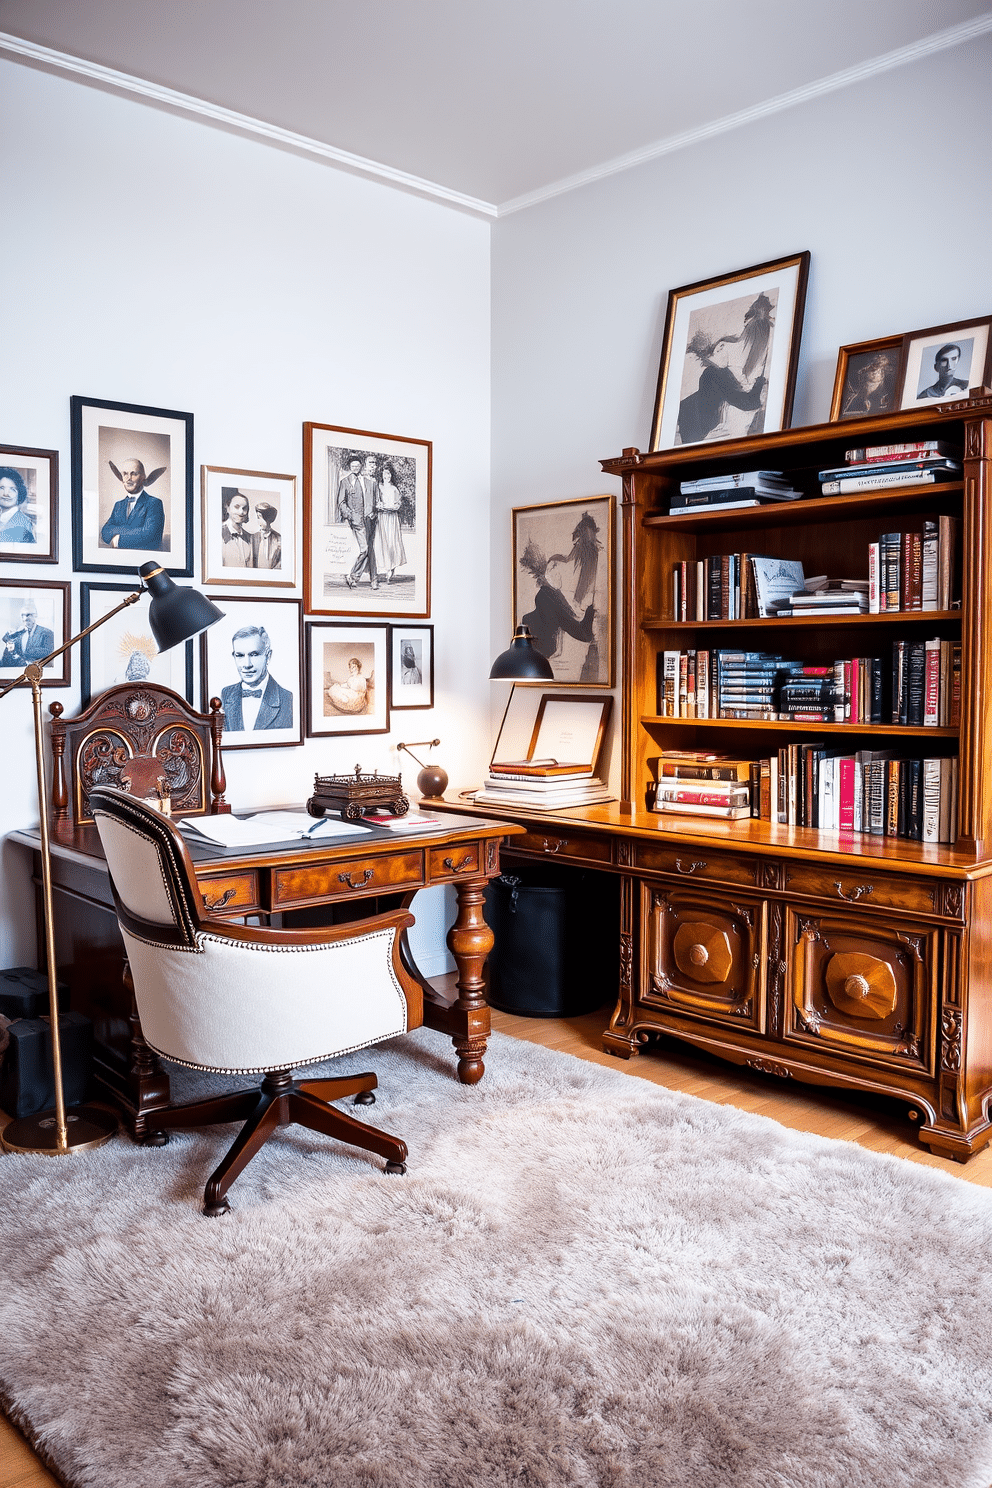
(365, 1098)
(155, 1139)
(214, 1211)
(393, 1167)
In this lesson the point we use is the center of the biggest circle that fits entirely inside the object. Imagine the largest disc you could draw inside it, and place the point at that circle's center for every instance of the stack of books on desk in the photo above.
(699, 784)
(742, 488)
(542, 785)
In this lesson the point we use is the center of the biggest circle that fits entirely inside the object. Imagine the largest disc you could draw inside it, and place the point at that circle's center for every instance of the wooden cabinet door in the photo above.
(703, 954)
(862, 985)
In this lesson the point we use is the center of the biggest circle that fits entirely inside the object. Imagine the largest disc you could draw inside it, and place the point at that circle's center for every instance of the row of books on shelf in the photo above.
(919, 685)
(911, 463)
(542, 785)
(907, 571)
(874, 791)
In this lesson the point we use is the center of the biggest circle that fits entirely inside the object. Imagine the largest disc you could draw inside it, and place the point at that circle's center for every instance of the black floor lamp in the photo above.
(174, 616)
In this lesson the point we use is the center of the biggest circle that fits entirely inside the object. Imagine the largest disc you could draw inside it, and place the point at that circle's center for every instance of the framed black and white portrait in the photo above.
(729, 356)
(29, 487)
(412, 662)
(249, 527)
(34, 621)
(124, 649)
(252, 661)
(366, 523)
(347, 679)
(867, 380)
(132, 487)
(563, 586)
(943, 363)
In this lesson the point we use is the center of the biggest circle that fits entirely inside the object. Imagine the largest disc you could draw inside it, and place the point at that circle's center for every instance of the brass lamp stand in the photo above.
(174, 616)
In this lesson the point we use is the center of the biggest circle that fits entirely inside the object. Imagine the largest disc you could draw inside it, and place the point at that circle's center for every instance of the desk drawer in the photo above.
(552, 843)
(860, 885)
(697, 863)
(319, 882)
(233, 893)
(452, 862)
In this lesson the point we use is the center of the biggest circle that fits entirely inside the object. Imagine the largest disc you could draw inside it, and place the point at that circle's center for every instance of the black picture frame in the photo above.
(367, 642)
(411, 653)
(37, 472)
(146, 436)
(129, 637)
(282, 620)
(14, 653)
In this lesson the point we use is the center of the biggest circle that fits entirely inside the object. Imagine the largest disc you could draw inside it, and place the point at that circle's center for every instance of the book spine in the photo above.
(931, 684)
(893, 587)
(879, 452)
(891, 798)
(930, 566)
(690, 684)
(912, 571)
(915, 683)
(874, 595)
(725, 581)
(931, 801)
(914, 810)
(732, 797)
(850, 483)
(713, 599)
(845, 795)
(669, 707)
(683, 684)
(954, 720)
(699, 593)
(765, 780)
(732, 772)
(702, 684)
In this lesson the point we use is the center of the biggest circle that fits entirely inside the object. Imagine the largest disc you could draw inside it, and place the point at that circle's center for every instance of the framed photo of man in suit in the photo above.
(252, 661)
(34, 622)
(132, 487)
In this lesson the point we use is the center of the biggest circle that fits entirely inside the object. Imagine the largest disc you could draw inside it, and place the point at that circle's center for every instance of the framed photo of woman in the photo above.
(563, 586)
(412, 648)
(366, 523)
(347, 679)
(29, 488)
(729, 356)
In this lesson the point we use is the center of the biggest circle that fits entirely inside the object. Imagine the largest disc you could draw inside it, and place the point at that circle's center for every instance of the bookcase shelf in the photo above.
(849, 959)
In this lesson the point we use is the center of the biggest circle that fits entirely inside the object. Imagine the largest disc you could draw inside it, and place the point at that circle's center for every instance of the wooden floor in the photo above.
(876, 1123)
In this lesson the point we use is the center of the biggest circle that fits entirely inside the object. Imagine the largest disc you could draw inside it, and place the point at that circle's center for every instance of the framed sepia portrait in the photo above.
(34, 622)
(563, 586)
(132, 487)
(124, 649)
(347, 679)
(943, 363)
(252, 661)
(412, 666)
(366, 523)
(867, 380)
(729, 355)
(249, 527)
(29, 489)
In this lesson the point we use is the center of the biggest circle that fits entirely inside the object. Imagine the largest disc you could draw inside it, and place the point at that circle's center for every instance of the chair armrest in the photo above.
(399, 919)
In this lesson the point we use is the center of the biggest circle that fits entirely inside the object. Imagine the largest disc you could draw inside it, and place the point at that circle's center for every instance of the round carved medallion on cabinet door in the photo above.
(861, 986)
(702, 952)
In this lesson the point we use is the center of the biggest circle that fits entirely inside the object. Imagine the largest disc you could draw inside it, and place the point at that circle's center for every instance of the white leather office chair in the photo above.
(237, 1000)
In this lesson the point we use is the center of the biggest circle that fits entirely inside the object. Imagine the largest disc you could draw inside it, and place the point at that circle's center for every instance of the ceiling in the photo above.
(496, 100)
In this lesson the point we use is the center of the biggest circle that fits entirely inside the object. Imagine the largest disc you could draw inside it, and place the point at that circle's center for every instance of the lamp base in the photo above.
(86, 1127)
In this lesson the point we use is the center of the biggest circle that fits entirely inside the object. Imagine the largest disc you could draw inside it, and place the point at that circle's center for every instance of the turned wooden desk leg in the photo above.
(470, 940)
(148, 1083)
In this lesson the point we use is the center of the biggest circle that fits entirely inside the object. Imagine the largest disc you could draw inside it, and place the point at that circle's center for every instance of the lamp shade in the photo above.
(175, 615)
(521, 660)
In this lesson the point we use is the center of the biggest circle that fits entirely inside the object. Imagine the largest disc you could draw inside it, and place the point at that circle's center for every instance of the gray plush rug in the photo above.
(584, 1281)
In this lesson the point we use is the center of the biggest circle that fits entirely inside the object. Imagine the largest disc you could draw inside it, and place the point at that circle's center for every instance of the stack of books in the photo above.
(742, 488)
(920, 462)
(871, 790)
(823, 596)
(690, 783)
(542, 785)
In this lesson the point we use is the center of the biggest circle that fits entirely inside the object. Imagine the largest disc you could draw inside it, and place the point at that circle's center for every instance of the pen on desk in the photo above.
(310, 830)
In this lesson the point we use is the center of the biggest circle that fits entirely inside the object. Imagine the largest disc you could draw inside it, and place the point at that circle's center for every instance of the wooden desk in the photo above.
(296, 884)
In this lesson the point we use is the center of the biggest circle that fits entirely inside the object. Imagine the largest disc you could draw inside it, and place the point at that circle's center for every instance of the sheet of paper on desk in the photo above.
(266, 826)
(414, 821)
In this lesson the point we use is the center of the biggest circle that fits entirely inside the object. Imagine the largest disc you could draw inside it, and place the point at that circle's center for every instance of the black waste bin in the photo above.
(556, 941)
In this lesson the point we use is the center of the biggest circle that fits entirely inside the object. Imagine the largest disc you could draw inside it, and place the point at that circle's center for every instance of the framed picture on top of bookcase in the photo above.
(944, 363)
(728, 360)
(867, 380)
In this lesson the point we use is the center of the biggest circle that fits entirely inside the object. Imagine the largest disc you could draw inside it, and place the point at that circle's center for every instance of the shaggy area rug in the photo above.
(584, 1281)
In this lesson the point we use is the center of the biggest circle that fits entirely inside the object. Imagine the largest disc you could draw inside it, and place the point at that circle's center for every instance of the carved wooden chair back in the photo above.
(139, 737)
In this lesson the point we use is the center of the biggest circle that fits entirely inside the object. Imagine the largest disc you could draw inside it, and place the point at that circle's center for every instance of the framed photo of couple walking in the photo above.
(729, 356)
(366, 523)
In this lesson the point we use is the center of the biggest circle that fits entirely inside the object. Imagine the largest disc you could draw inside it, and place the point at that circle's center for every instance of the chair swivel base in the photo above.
(280, 1101)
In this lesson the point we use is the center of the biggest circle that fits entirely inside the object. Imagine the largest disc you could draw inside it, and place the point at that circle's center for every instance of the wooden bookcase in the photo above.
(834, 958)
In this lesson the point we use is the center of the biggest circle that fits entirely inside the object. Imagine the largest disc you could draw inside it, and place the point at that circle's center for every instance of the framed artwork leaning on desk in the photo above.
(251, 660)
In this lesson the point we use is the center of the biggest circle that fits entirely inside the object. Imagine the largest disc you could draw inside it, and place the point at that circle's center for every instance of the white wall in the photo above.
(154, 260)
(885, 183)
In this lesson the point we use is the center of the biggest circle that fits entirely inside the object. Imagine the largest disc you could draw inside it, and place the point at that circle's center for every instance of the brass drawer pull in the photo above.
(553, 844)
(227, 895)
(467, 861)
(689, 867)
(349, 879)
(855, 894)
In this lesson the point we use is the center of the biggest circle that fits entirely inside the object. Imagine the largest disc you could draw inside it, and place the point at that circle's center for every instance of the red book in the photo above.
(955, 719)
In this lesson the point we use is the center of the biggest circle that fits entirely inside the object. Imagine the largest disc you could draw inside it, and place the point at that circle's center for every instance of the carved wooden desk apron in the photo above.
(301, 883)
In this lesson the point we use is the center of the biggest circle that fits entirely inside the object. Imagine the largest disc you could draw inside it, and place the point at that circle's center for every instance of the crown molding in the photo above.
(110, 80)
(939, 41)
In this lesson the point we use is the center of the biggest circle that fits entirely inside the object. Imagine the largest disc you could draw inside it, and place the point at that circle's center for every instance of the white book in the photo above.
(874, 550)
(931, 801)
(531, 803)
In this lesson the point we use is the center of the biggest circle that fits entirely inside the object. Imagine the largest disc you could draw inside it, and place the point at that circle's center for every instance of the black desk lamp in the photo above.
(520, 661)
(174, 616)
